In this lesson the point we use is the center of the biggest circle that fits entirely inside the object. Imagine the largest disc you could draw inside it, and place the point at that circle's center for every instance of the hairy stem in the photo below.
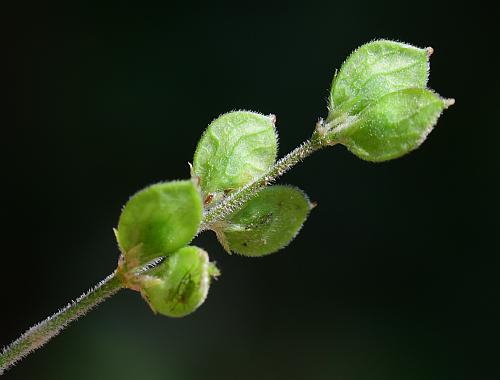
(42, 332)
(236, 200)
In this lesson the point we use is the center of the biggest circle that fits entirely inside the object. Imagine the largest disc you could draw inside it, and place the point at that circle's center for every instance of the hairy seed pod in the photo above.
(394, 125)
(236, 148)
(376, 69)
(380, 108)
(180, 284)
(266, 223)
(159, 220)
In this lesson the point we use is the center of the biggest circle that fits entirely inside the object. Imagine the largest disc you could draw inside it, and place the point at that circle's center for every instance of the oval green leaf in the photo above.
(374, 70)
(236, 148)
(267, 222)
(180, 284)
(393, 126)
(159, 220)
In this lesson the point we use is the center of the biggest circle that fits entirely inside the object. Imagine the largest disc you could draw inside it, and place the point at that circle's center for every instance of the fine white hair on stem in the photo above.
(39, 334)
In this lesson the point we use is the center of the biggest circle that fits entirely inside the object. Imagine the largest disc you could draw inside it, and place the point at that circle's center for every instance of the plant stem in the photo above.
(236, 200)
(42, 332)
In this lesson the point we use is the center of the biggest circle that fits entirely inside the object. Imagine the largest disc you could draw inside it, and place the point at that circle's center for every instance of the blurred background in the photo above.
(395, 274)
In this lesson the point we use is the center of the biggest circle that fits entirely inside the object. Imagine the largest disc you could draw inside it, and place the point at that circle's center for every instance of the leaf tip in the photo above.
(429, 51)
(449, 102)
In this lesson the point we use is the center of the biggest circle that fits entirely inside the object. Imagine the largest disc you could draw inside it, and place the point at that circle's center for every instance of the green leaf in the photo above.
(158, 221)
(236, 148)
(266, 223)
(374, 70)
(393, 126)
(180, 284)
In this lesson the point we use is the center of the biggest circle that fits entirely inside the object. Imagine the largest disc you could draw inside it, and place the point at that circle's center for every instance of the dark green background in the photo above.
(395, 274)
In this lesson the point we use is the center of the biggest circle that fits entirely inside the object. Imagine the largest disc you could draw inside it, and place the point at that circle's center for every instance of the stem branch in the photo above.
(42, 332)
